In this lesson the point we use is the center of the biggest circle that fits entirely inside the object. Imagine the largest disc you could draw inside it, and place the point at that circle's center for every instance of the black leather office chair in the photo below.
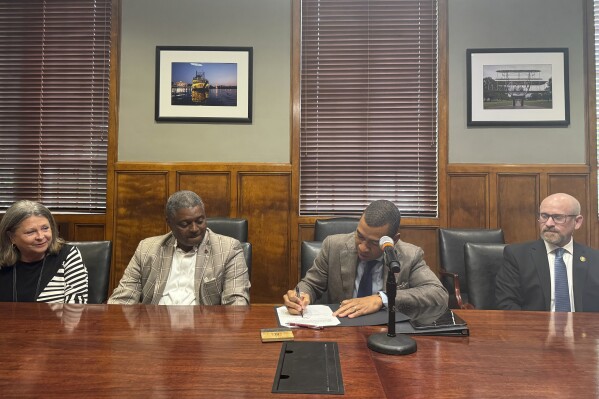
(482, 263)
(310, 250)
(451, 251)
(97, 257)
(232, 227)
(322, 229)
(236, 228)
(327, 227)
(247, 254)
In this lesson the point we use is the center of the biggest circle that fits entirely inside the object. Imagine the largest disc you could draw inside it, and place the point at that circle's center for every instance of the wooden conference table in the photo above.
(215, 352)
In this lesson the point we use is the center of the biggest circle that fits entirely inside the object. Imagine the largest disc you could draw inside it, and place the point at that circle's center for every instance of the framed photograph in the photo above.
(203, 84)
(518, 87)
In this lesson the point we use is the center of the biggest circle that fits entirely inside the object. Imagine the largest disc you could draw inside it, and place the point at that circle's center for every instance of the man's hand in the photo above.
(294, 304)
(355, 307)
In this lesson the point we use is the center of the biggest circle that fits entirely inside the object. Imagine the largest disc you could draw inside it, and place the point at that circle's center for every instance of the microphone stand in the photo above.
(390, 343)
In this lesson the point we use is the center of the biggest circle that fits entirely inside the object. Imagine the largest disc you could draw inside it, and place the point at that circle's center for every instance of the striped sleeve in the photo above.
(70, 284)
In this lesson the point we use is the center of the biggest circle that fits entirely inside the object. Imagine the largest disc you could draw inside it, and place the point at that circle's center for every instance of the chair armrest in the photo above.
(455, 284)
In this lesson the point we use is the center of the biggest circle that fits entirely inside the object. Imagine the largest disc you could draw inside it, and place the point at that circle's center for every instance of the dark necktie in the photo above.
(365, 287)
(560, 275)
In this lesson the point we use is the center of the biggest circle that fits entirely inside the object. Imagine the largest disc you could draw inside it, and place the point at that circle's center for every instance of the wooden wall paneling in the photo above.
(113, 127)
(492, 199)
(81, 227)
(295, 238)
(213, 187)
(139, 213)
(88, 232)
(577, 186)
(66, 230)
(426, 238)
(306, 232)
(264, 199)
(468, 201)
(443, 113)
(517, 206)
(63, 230)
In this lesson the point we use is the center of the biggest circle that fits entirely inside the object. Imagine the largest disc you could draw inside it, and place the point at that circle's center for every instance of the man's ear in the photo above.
(578, 222)
(396, 237)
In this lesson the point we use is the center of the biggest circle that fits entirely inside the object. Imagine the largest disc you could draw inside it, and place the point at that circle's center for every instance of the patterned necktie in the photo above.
(365, 287)
(562, 293)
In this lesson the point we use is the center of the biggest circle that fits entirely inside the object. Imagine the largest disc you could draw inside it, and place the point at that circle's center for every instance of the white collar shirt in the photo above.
(180, 286)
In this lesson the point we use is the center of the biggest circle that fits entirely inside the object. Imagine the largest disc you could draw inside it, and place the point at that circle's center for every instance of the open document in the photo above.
(315, 315)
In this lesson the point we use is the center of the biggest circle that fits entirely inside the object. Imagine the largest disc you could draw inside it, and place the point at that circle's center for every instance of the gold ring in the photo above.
(355, 310)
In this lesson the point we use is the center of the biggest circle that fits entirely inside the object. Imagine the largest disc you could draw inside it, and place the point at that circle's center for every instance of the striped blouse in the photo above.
(69, 284)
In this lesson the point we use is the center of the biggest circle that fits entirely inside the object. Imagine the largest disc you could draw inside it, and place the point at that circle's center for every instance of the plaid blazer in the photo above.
(221, 275)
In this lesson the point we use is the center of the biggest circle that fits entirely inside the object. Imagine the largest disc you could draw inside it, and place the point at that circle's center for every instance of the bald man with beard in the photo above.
(526, 280)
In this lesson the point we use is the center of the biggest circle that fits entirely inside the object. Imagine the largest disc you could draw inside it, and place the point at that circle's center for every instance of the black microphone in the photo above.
(391, 343)
(387, 245)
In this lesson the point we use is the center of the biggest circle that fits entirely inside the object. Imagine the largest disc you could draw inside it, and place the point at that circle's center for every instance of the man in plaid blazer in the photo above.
(191, 265)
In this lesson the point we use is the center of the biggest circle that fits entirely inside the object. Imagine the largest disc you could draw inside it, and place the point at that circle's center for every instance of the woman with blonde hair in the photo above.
(35, 264)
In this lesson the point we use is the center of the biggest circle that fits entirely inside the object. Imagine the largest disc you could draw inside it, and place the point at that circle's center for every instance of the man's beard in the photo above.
(552, 237)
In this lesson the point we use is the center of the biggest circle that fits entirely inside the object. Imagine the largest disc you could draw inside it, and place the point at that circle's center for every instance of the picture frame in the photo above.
(518, 87)
(204, 84)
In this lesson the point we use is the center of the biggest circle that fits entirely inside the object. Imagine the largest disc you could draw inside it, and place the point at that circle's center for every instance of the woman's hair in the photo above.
(12, 219)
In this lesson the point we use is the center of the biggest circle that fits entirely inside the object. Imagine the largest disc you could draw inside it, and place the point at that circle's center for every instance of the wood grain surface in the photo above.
(215, 352)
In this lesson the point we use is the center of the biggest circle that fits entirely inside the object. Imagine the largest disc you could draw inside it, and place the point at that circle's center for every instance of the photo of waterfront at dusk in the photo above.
(204, 84)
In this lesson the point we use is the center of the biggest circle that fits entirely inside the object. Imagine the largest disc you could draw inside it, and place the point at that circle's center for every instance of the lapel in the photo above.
(348, 261)
(204, 260)
(580, 268)
(538, 253)
(165, 259)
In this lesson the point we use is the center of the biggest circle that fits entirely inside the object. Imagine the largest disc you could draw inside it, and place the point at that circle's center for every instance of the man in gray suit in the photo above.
(345, 259)
(191, 265)
(531, 272)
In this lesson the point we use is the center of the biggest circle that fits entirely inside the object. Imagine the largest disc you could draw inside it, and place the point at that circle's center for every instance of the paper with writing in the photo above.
(316, 315)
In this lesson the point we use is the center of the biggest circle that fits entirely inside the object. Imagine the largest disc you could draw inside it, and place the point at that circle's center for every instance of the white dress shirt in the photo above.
(180, 286)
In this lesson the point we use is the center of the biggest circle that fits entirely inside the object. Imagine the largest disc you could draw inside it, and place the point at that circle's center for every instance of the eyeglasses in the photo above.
(557, 219)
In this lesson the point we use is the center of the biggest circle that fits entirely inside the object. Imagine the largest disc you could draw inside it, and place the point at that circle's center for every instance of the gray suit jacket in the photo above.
(524, 281)
(335, 267)
(221, 275)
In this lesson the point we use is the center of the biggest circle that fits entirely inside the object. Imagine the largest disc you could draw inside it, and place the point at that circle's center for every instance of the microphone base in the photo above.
(398, 345)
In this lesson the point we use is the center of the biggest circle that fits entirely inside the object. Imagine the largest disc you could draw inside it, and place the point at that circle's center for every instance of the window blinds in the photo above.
(54, 91)
(368, 106)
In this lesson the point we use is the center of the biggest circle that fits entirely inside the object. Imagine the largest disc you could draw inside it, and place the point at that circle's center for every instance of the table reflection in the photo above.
(69, 314)
(181, 318)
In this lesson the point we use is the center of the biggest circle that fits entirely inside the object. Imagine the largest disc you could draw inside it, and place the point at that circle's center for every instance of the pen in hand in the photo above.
(299, 296)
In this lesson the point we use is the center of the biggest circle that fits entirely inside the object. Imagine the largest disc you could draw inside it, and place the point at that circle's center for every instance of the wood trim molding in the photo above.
(591, 119)
(510, 168)
(113, 117)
